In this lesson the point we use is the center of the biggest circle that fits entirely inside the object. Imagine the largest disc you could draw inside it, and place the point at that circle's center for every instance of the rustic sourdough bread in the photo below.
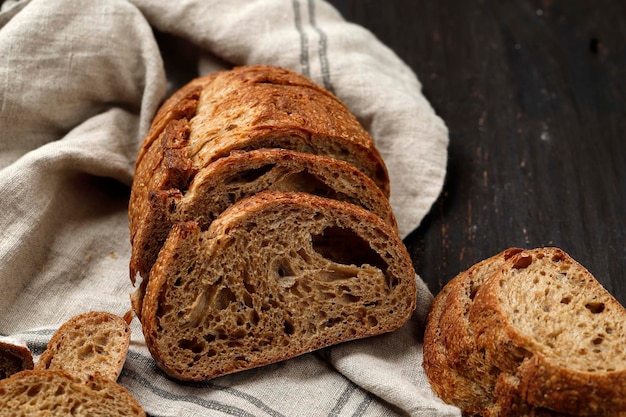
(88, 344)
(240, 175)
(546, 320)
(275, 275)
(246, 108)
(14, 356)
(522, 331)
(48, 393)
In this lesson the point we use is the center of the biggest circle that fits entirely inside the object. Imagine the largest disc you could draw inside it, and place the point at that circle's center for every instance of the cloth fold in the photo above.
(79, 84)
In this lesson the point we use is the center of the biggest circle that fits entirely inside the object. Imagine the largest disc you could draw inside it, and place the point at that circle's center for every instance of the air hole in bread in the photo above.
(249, 175)
(34, 390)
(566, 300)
(595, 307)
(193, 345)
(345, 247)
(289, 328)
(523, 261)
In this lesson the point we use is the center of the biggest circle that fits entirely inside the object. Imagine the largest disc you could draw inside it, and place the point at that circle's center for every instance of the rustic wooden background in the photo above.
(533, 94)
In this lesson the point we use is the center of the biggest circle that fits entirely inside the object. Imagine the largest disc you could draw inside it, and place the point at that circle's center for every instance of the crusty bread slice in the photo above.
(88, 344)
(246, 108)
(240, 175)
(14, 356)
(445, 380)
(49, 393)
(275, 275)
(456, 370)
(547, 322)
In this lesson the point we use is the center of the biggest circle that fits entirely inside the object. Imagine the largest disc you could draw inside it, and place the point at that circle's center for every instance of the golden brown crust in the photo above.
(276, 275)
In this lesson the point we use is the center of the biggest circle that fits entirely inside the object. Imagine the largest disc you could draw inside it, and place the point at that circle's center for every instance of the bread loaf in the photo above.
(88, 344)
(240, 175)
(274, 276)
(246, 108)
(535, 333)
(14, 356)
(49, 393)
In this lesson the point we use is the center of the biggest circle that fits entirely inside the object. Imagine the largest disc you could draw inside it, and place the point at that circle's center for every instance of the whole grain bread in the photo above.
(276, 275)
(509, 330)
(246, 108)
(15, 356)
(240, 175)
(546, 320)
(49, 393)
(88, 344)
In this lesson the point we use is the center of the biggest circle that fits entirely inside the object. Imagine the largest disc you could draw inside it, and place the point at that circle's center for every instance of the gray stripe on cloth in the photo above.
(207, 404)
(363, 406)
(343, 399)
(141, 358)
(323, 48)
(304, 40)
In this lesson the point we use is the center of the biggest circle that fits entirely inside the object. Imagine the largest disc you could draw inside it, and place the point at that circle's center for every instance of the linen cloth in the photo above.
(79, 84)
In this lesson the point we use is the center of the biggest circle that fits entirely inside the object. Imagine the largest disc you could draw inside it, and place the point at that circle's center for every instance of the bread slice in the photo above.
(39, 393)
(88, 344)
(276, 275)
(14, 356)
(456, 370)
(240, 175)
(246, 108)
(548, 325)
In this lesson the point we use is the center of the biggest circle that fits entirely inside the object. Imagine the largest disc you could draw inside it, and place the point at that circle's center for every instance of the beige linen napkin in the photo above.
(79, 84)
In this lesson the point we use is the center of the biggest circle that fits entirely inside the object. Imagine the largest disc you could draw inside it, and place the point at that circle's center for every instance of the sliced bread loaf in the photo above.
(547, 322)
(50, 393)
(246, 108)
(88, 344)
(14, 356)
(240, 175)
(275, 275)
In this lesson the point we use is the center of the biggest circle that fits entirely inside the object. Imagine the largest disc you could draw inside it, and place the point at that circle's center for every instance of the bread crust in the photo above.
(455, 368)
(278, 262)
(14, 357)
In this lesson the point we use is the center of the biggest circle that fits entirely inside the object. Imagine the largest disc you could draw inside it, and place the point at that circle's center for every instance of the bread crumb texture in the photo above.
(56, 393)
(277, 275)
(89, 343)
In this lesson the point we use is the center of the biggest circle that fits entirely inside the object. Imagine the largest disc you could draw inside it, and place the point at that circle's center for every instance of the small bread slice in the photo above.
(276, 275)
(547, 322)
(49, 393)
(88, 344)
(456, 370)
(240, 175)
(14, 356)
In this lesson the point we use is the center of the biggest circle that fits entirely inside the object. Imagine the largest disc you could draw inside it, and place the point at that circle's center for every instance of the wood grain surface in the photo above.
(534, 96)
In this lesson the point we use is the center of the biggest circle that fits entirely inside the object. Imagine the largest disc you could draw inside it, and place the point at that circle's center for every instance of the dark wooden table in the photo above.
(534, 96)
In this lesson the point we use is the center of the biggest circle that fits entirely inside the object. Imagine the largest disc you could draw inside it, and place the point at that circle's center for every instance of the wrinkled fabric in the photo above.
(79, 84)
